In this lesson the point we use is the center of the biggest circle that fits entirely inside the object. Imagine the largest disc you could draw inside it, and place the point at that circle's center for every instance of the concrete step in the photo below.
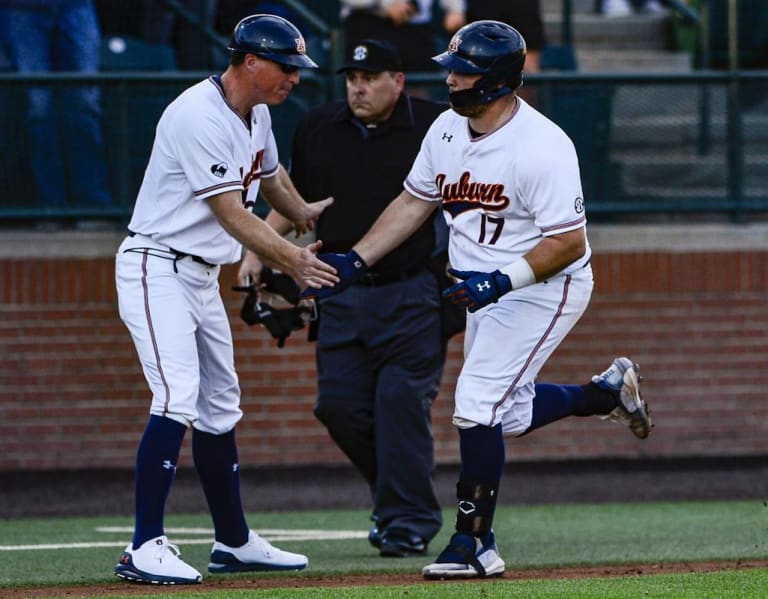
(677, 171)
(681, 132)
(628, 61)
(556, 6)
(640, 31)
(663, 193)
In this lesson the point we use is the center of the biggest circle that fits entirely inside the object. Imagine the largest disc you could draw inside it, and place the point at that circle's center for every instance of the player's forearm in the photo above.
(557, 252)
(404, 215)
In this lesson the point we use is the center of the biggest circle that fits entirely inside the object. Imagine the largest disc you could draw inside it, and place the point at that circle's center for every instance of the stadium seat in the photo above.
(131, 111)
(123, 53)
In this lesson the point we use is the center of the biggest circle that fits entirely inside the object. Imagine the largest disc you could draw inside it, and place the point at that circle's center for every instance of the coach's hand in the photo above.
(349, 268)
(477, 289)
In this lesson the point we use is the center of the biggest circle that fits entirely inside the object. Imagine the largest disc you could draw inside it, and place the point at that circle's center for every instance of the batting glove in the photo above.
(477, 289)
(349, 267)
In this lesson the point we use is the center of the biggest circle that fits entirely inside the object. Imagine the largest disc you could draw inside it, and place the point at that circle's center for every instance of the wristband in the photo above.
(520, 273)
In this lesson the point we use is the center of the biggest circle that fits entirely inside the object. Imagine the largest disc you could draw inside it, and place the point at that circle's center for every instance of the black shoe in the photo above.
(401, 543)
(374, 536)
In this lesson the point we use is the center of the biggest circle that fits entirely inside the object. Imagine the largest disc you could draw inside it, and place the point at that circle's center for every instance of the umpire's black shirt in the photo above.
(363, 168)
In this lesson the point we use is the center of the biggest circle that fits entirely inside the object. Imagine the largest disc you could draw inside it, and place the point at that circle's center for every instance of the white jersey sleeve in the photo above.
(205, 153)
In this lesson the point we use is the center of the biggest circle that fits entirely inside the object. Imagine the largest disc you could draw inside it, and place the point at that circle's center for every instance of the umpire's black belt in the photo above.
(181, 255)
(375, 279)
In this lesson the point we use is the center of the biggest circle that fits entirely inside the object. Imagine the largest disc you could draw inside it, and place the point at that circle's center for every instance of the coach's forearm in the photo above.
(253, 232)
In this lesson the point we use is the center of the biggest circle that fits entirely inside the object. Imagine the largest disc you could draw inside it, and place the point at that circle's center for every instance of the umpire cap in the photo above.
(373, 56)
(273, 38)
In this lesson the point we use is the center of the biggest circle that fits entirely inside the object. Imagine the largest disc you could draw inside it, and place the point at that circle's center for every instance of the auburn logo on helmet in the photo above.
(301, 47)
(453, 45)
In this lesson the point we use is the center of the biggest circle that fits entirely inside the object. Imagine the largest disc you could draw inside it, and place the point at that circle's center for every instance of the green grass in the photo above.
(528, 537)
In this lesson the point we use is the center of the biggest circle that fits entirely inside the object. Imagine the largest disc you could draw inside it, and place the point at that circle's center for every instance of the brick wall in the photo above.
(72, 394)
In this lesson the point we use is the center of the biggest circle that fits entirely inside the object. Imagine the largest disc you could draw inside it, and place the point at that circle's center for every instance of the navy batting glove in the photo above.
(349, 267)
(477, 289)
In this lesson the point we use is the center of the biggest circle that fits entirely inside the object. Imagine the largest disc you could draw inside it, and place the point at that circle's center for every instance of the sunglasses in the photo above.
(288, 68)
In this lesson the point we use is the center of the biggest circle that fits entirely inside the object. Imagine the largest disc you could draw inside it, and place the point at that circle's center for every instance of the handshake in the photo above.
(475, 290)
(349, 268)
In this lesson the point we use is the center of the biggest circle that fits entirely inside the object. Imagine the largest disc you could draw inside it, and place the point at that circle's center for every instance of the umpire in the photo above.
(379, 349)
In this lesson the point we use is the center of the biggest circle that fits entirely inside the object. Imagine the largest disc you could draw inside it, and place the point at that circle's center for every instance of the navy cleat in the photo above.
(467, 556)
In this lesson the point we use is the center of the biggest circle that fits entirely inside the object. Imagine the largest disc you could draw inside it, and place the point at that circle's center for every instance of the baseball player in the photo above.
(214, 149)
(507, 179)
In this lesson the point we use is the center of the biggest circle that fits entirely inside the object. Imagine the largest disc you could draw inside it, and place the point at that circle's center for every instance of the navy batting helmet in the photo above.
(490, 48)
(273, 38)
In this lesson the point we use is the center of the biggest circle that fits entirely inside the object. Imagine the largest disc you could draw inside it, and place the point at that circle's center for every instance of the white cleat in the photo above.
(466, 557)
(156, 562)
(257, 555)
(624, 377)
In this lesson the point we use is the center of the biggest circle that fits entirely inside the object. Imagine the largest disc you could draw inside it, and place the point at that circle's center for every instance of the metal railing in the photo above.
(645, 143)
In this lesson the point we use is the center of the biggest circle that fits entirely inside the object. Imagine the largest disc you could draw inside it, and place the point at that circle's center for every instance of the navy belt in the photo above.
(374, 279)
(181, 255)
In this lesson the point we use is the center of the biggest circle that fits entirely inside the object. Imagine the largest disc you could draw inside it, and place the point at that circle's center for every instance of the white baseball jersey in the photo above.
(502, 191)
(202, 147)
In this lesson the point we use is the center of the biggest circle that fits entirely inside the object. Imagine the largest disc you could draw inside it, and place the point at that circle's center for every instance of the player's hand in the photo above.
(350, 267)
(310, 214)
(477, 289)
(310, 271)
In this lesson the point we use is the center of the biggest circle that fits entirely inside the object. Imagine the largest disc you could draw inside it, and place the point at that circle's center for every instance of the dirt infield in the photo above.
(366, 580)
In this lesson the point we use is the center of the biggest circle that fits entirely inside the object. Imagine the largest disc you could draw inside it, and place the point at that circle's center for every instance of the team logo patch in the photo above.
(301, 47)
(578, 205)
(220, 169)
(453, 45)
(360, 53)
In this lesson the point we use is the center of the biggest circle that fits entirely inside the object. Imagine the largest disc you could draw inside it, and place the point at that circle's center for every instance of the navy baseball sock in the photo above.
(155, 469)
(482, 462)
(482, 454)
(554, 402)
(215, 458)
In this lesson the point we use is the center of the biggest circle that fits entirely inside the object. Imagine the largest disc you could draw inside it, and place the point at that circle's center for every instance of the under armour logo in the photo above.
(447, 137)
(483, 285)
(466, 507)
(235, 467)
(168, 465)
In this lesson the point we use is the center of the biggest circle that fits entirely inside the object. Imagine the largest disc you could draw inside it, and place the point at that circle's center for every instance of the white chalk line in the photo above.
(271, 534)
